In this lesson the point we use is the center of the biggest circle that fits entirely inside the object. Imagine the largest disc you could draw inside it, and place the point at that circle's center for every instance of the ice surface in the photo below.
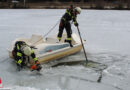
(107, 35)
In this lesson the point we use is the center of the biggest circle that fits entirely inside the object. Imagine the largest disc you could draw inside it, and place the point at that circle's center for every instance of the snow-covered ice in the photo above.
(107, 35)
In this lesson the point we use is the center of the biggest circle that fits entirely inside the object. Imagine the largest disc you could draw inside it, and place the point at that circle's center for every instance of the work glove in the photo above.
(33, 47)
(76, 24)
(37, 66)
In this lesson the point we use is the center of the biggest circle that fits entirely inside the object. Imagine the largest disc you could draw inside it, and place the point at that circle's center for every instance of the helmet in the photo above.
(26, 50)
(78, 9)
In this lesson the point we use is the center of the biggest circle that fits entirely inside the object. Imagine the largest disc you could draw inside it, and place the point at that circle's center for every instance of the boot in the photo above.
(68, 41)
(71, 45)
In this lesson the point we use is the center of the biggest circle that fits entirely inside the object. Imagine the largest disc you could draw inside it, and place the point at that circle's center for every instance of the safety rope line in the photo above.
(51, 29)
(47, 32)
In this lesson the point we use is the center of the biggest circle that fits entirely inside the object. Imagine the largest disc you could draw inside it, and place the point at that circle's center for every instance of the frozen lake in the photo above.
(107, 35)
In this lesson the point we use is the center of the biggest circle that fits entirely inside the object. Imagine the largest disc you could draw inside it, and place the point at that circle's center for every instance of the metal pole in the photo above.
(82, 45)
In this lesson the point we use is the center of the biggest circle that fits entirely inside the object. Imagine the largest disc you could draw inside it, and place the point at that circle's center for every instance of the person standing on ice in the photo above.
(21, 50)
(70, 14)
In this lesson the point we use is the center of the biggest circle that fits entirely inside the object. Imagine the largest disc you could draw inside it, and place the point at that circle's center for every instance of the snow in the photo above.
(107, 34)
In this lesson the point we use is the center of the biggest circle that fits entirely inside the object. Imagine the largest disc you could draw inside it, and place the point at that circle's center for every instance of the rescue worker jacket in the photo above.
(69, 15)
(18, 53)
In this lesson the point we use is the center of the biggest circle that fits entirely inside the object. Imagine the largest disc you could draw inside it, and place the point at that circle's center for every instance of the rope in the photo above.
(47, 32)
(51, 29)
